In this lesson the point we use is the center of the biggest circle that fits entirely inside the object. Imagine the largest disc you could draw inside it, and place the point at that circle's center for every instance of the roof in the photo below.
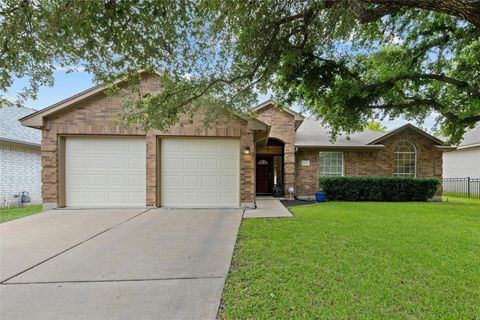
(405, 126)
(11, 130)
(35, 120)
(266, 103)
(471, 138)
(312, 133)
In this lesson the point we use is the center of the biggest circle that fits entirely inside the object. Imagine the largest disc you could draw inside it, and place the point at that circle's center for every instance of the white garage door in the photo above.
(105, 172)
(200, 173)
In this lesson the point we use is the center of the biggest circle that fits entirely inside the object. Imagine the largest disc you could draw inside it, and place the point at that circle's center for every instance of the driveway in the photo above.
(116, 264)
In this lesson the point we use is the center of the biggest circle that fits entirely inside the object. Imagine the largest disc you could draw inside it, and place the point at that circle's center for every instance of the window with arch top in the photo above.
(405, 159)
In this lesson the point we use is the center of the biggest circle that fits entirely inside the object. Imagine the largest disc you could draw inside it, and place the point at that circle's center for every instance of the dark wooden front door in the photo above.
(264, 174)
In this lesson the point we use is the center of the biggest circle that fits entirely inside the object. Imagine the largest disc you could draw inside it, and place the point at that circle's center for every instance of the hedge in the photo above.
(379, 188)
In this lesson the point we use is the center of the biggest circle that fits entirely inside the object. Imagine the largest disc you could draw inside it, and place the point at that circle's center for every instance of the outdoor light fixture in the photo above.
(291, 191)
(246, 150)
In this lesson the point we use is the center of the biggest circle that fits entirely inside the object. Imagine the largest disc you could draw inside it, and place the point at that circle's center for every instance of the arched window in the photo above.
(405, 159)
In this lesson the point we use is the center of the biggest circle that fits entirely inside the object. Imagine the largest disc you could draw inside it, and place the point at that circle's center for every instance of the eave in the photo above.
(342, 147)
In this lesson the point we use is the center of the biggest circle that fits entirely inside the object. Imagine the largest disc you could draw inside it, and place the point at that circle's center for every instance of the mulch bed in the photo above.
(293, 203)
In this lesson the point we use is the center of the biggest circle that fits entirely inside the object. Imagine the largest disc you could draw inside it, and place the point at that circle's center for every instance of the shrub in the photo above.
(379, 188)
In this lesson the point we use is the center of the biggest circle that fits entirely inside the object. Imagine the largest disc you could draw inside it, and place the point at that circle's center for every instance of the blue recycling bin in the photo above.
(320, 196)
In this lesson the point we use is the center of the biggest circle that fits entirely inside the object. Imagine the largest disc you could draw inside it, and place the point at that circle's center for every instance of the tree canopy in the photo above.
(345, 61)
(376, 126)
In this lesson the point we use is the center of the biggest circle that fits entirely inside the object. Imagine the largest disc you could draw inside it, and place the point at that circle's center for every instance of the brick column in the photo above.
(151, 167)
(289, 167)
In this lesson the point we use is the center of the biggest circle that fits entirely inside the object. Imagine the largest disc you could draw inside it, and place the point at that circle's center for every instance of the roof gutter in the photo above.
(468, 146)
(31, 144)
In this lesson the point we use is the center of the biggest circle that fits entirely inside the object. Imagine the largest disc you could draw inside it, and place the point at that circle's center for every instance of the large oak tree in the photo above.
(346, 61)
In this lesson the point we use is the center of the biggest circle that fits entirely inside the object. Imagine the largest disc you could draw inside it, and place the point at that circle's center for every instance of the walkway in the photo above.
(268, 208)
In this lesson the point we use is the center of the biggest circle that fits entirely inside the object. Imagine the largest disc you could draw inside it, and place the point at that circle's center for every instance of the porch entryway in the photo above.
(270, 168)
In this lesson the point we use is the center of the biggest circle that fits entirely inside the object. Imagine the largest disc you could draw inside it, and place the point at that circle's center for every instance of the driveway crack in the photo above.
(112, 280)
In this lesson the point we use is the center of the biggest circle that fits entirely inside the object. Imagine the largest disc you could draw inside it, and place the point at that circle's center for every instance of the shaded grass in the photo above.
(15, 213)
(462, 195)
(460, 200)
(358, 260)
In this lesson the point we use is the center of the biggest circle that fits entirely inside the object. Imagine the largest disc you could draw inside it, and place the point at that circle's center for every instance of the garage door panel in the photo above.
(192, 180)
(172, 163)
(210, 164)
(117, 163)
(105, 172)
(210, 181)
(228, 196)
(196, 172)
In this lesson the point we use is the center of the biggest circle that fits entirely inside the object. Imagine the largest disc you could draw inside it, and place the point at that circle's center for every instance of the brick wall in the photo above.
(282, 128)
(96, 116)
(19, 171)
(370, 163)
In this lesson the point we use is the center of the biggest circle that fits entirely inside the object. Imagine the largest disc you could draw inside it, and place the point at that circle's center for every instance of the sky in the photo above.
(68, 84)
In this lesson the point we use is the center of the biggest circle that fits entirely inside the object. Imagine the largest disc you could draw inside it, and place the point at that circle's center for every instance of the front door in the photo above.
(264, 174)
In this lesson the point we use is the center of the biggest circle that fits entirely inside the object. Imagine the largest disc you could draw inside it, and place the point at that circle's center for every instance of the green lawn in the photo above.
(461, 200)
(15, 213)
(462, 195)
(344, 260)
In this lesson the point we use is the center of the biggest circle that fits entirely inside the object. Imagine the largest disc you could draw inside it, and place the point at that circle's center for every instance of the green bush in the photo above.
(379, 188)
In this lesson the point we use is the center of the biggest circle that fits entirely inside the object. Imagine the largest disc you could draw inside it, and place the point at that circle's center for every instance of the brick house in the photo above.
(19, 156)
(88, 161)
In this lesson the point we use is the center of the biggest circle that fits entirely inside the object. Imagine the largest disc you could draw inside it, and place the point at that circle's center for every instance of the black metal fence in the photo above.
(462, 187)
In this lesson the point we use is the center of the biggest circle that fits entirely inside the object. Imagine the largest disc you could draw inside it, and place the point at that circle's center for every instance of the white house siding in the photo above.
(462, 163)
(20, 169)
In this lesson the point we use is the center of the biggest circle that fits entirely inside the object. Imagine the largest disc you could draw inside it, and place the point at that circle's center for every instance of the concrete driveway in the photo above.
(116, 264)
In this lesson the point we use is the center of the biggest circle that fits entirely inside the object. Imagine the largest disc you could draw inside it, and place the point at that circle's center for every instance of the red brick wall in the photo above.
(96, 116)
(370, 163)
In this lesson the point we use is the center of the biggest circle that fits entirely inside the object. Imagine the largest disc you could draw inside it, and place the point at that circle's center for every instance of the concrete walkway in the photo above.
(268, 208)
(116, 264)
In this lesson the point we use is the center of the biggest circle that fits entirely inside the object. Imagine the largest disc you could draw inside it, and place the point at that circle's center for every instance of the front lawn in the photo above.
(15, 213)
(345, 260)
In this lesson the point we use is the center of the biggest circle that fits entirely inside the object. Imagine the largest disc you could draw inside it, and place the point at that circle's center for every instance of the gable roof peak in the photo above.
(35, 119)
(403, 127)
(269, 102)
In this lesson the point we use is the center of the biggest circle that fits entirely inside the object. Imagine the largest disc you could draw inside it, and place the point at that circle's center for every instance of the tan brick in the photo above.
(96, 116)
(376, 163)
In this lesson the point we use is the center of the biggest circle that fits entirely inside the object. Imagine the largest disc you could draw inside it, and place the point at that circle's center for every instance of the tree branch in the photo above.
(466, 9)
(434, 105)
(461, 84)
(366, 15)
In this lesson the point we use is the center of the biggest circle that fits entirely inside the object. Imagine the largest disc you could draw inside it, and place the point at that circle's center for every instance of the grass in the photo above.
(15, 213)
(449, 198)
(462, 195)
(344, 260)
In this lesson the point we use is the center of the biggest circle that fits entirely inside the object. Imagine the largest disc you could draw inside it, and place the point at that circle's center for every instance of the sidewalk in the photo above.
(268, 208)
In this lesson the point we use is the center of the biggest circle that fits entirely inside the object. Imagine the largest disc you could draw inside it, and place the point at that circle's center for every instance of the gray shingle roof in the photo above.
(312, 133)
(12, 130)
(471, 137)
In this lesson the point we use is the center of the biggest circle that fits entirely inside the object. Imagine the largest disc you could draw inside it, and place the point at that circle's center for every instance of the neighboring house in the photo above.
(465, 160)
(88, 161)
(20, 163)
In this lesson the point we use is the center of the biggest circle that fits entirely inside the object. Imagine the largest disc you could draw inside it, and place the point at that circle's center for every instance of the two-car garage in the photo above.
(111, 172)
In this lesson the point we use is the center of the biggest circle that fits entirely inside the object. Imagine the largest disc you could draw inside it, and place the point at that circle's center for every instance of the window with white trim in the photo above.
(331, 164)
(405, 159)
